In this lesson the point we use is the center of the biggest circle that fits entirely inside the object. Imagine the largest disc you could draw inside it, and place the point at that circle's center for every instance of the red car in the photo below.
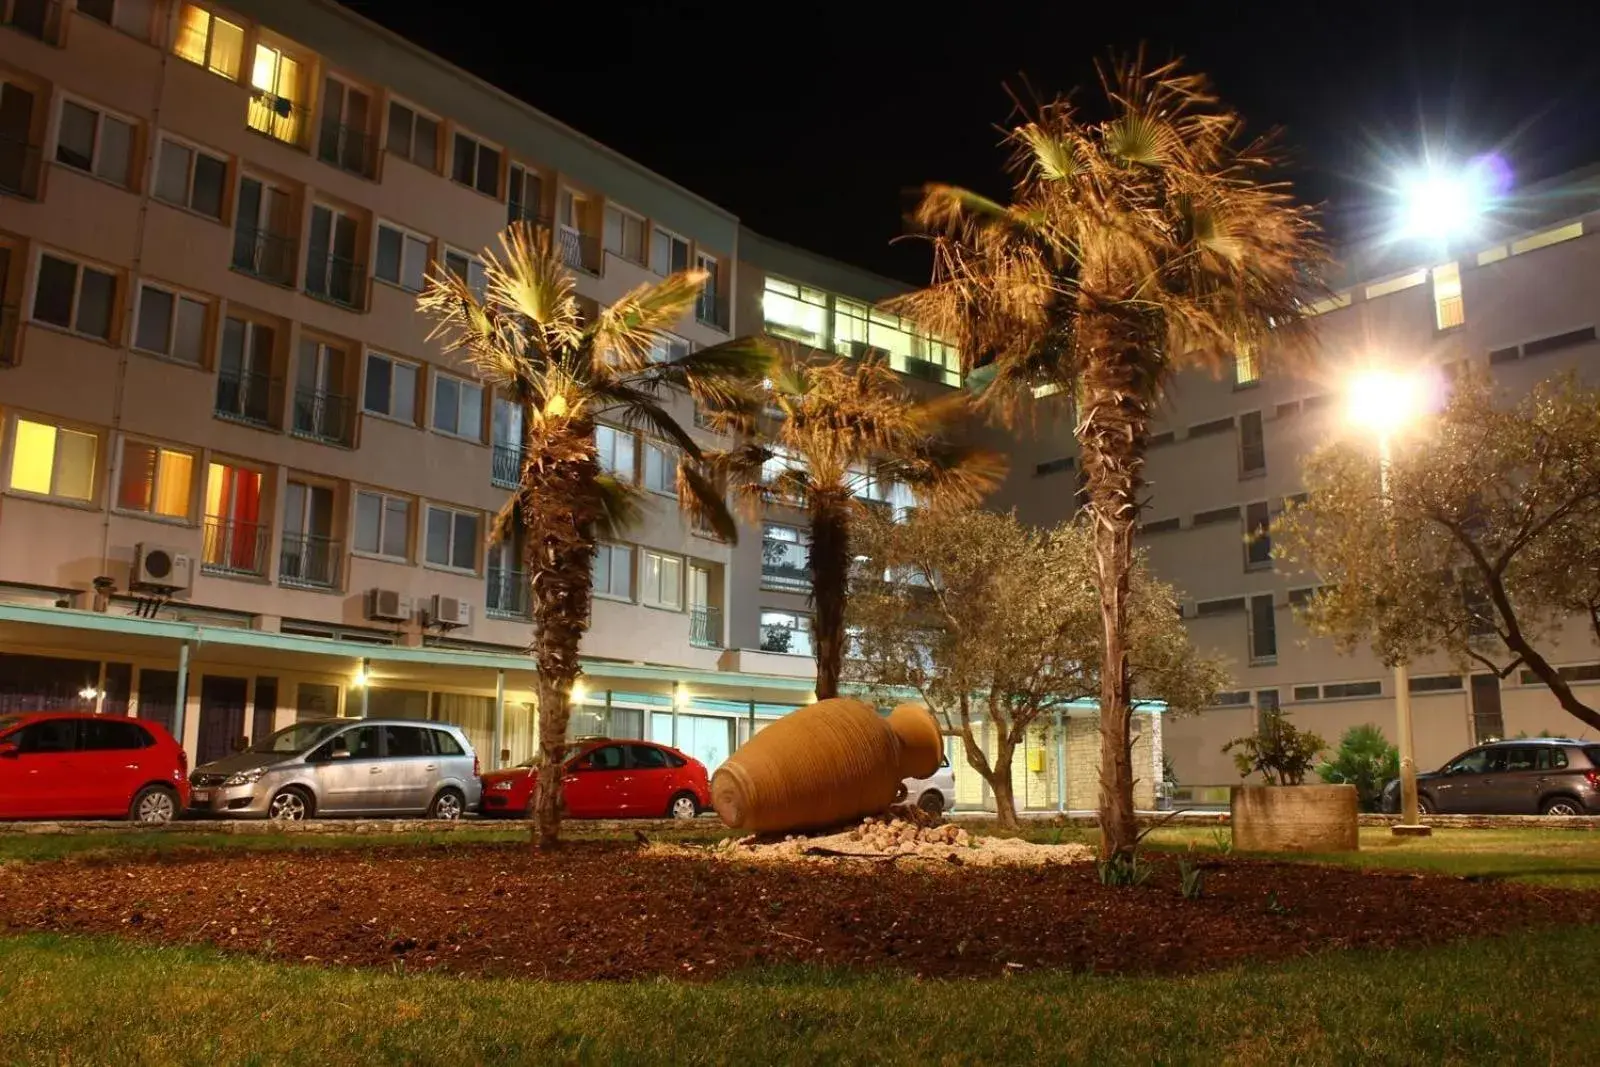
(610, 780)
(64, 765)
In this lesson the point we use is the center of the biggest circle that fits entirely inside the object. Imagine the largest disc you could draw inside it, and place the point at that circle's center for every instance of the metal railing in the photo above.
(711, 309)
(36, 18)
(9, 318)
(506, 596)
(580, 251)
(248, 397)
(528, 213)
(264, 254)
(278, 117)
(233, 547)
(336, 279)
(348, 148)
(705, 626)
(784, 566)
(321, 416)
(506, 472)
(309, 561)
(19, 167)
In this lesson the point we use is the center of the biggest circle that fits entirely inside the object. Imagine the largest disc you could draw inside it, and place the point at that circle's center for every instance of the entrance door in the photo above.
(222, 704)
(1487, 722)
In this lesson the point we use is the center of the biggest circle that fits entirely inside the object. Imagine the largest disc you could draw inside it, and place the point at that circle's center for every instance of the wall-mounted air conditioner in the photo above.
(449, 611)
(387, 605)
(160, 569)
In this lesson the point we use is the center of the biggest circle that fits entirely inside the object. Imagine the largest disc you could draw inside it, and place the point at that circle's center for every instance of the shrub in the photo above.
(1366, 760)
(1278, 750)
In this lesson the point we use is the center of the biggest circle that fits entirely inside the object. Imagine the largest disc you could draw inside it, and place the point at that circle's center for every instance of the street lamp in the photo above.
(1382, 402)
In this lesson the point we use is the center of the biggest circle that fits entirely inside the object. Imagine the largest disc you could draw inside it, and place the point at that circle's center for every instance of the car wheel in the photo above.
(1424, 805)
(932, 802)
(154, 805)
(1565, 806)
(449, 805)
(900, 793)
(683, 806)
(291, 805)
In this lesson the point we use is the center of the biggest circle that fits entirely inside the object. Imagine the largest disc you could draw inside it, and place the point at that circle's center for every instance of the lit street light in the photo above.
(1382, 402)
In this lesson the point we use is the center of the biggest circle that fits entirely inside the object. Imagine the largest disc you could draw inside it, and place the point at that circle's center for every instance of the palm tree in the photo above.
(831, 431)
(524, 333)
(1135, 244)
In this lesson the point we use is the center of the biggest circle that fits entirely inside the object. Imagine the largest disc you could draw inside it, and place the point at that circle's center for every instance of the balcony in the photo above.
(784, 566)
(36, 18)
(309, 561)
(278, 117)
(9, 318)
(235, 549)
(507, 596)
(19, 168)
(507, 470)
(265, 255)
(528, 213)
(321, 416)
(247, 397)
(349, 148)
(711, 309)
(337, 280)
(579, 250)
(705, 626)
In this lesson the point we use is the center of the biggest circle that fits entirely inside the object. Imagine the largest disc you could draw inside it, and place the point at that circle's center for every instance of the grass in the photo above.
(1521, 1000)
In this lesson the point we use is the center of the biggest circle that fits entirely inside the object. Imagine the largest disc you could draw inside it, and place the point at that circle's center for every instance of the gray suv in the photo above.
(1530, 776)
(344, 767)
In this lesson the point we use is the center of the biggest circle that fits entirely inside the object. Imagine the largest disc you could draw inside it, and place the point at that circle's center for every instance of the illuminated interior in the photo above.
(1447, 306)
(855, 329)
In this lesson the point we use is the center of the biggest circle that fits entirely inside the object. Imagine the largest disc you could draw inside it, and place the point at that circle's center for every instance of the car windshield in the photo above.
(297, 738)
(8, 721)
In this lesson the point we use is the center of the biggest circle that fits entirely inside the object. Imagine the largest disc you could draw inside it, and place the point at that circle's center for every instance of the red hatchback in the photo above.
(62, 765)
(610, 780)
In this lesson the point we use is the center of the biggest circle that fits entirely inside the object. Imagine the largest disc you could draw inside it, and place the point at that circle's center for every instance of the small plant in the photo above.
(1191, 879)
(1366, 760)
(1124, 869)
(1222, 839)
(1278, 750)
(1275, 906)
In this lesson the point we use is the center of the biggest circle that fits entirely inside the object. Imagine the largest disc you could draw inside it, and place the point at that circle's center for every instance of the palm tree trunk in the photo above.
(830, 575)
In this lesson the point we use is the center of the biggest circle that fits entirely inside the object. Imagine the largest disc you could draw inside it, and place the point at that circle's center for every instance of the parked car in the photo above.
(344, 767)
(935, 794)
(606, 779)
(1533, 776)
(69, 765)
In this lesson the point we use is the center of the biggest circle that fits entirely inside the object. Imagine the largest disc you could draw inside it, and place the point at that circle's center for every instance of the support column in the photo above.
(1061, 760)
(752, 732)
(499, 720)
(366, 683)
(179, 712)
(608, 731)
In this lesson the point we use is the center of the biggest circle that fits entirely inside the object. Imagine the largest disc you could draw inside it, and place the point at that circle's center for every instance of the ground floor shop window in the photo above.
(45, 683)
(474, 714)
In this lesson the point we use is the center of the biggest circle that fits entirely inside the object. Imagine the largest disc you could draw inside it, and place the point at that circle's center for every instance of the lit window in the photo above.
(1447, 306)
(1395, 285)
(613, 571)
(614, 451)
(661, 580)
(155, 480)
(402, 258)
(452, 538)
(90, 140)
(1332, 303)
(624, 236)
(669, 253)
(383, 525)
(1246, 367)
(74, 297)
(190, 178)
(209, 41)
(660, 469)
(413, 135)
(795, 312)
(278, 107)
(458, 407)
(391, 388)
(476, 165)
(170, 325)
(1547, 238)
(53, 461)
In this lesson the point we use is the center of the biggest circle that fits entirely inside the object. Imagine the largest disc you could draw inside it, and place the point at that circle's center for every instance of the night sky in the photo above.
(816, 123)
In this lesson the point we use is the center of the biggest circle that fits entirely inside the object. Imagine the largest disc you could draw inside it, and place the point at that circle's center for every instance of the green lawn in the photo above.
(1523, 1000)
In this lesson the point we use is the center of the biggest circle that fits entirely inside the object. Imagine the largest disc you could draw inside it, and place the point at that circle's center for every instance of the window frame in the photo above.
(205, 64)
(439, 376)
(195, 152)
(383, 497)
(479, 287)
(120, 468)
(612, 548)
(101, 113)
(428, 508)
(804, 623)
(665, 340)
(202, 360)
(607, 463)
(653, 598)
(112, 336)
(669, 467)
(1252, 539)
(659, 231)
(1251, 630)
(406, 234)
(411, 136)
(1261, 424)
(13, 427)
(480, 143)
(115, 21)
(393, 361)
(625, 215)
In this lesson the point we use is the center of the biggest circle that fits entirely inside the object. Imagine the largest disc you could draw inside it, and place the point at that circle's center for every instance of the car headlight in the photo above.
(502, 784)
(245, 777)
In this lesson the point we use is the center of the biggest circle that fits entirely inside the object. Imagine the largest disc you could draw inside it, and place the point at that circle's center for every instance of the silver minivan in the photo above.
(343, 767)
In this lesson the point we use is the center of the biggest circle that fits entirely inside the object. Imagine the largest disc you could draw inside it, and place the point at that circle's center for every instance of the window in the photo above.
(209, 41)
(331, 268)
(1448, 310)
(74, 297)
(445, 744)
(1232, 698)
(1252, 444)
(1436, 683)
(784, 564)
(661, 580)
(1307, 692)
(49, 735)
(795, 312)
(613, 571)
(666, 348)
(391, 388)
(614, 452)
(155, 480)
(1206, 518)
(525, 199)
(413, 135)
(1395, 285)
(669, 253)
(660, 469)
(104, 733)
(53, 461)
(92, 141)
(648, 757)
(1547, 238)
(624, 235)
(1258, 536)
(476, 165)
(383, 525)
(469, 269)
(401, 742)
(1246, 367)
(452, 538)
(1053, 466)
(190, 178)
(402, 258)
(244, 372)
(457, 407)
(170, 325)
(344, 139)
(786, 631)
(277, 108)
(1263, 629)
(132, 17)
(1343, 690)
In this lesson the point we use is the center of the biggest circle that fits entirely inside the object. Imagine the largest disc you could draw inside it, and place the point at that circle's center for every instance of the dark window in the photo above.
(1258, 536)
(1521, 758)
(1220, 607)
(1503, 355)
(1204, 429)
(360, 743)
(1053, 466)
(648, 757)
(158, 696)
(1231, 699)
(1337, 690)
(52, 297)
(1307, 692)
(407, 741)
(50, 735)
(1159, 526)
(1474, 762)
(97, 9)
(675, 760)
(608, 758)
(1550, 758)
(118, 687)
(1267, 699)
(1583, 672)
(445, 744)
(1436, 683)
(1286, 410)
(1166, 437)
(1263, 628)
(1556, 342)
(102, 734)
(1203, 518)
(1301, 597)
(1252, 444)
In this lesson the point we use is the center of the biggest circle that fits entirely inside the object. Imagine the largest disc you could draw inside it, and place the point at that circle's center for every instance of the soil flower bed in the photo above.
(615, 911)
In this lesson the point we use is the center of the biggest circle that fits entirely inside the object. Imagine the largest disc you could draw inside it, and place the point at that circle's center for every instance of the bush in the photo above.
(1366, 760)
(1280, 751)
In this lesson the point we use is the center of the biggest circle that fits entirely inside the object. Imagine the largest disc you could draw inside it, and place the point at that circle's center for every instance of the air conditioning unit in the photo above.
(387, 605)
(450, 611)
(160, 569)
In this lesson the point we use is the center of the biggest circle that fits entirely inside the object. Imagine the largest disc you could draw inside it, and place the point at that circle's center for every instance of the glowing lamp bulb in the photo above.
(1383, 401)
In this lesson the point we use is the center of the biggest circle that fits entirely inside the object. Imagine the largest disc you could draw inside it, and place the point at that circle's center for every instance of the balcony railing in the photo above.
(278, 117)
(705, 626)
(507, 470)
(711, 309)
(348, 148)
(235, 548)
(9, 317)
(19, 167)
(264, 254)
(784, 566)
(248, 397)
(337, 280)
(507, 595)
(528, 213)
(36, 18)
(309, 561)
(579, 250)
(321, 416)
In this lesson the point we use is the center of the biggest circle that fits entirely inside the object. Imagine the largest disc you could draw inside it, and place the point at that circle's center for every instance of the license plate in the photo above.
(202, 796)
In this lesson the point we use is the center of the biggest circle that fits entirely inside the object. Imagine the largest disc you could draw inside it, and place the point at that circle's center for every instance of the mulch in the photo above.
(611, 911)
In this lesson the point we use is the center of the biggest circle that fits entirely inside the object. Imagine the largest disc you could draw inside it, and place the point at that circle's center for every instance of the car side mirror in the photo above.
(8, 750)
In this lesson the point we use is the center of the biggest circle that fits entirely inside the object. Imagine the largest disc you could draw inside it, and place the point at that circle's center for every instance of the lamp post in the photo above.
(1381, 402)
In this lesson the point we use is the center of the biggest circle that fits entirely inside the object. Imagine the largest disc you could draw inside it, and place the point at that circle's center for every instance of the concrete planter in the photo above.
(1295, 818)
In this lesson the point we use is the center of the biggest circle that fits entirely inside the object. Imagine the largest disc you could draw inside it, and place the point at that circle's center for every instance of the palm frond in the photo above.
(705, 500)
(1054, 156)
(618, 507)
(627, 328)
